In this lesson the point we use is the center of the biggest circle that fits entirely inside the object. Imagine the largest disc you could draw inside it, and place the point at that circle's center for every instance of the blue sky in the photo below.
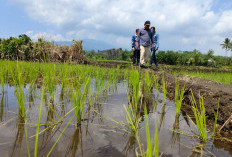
(182, 25)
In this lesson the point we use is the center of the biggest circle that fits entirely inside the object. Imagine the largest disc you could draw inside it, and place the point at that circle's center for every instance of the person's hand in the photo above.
(152, 45)
(133, 49)
(155, 49)
(137, 45)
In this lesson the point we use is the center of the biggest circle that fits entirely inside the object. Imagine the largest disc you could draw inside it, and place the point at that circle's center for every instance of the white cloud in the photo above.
(224, 25)
(47, 36)
(181, 24)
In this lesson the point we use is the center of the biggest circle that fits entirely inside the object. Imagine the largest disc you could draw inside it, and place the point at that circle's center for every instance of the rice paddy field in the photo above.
(59, 110)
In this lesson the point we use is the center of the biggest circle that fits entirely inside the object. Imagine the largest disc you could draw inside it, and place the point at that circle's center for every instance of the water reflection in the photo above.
(198, 151)
(3, 106)
(176, 132)
(162, 115)
(19, 136)
(74, 143)
(130, 144)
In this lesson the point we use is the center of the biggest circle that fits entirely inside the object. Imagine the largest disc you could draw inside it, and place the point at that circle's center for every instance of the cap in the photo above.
(147, 23)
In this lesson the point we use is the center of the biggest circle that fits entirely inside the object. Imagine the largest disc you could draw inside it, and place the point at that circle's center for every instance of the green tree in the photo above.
(210, 53)
(226, 44)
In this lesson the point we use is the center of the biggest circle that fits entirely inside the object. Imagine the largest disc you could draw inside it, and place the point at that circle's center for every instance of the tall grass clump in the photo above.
(148, 82)
(18, 79)
(134, 89)
(152, 151)
(179, 94)
(215, 119)
(199, 115)
(3, 78)
(164, 89)
(151, 142)
(38, 123)
(78, 98)
(50, 81)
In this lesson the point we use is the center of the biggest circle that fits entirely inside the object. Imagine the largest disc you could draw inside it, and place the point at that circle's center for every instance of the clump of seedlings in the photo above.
(179, 94)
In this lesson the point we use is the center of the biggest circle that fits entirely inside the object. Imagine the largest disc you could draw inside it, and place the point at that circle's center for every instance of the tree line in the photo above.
(169, 57)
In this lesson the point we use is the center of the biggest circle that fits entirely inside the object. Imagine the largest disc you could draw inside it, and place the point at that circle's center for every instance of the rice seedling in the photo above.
(38, 123)
(3, 80)
(19, 90)
(134, 86)
(50, 81)
(148, 82)
(164, 88)
(78, 98)
(199, 115)
(215, 119)
(179, 94)
(151, 150)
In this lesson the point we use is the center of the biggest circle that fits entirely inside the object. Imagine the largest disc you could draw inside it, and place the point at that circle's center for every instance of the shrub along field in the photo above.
(23, 48)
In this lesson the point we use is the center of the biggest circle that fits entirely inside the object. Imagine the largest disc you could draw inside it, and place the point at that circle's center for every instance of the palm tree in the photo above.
(226, 44)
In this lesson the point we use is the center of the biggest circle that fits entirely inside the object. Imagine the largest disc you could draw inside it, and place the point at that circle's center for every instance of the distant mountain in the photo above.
(90, 44)
(68, 43)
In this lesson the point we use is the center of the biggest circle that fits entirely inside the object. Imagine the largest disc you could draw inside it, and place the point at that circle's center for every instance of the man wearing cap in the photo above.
(145, 40)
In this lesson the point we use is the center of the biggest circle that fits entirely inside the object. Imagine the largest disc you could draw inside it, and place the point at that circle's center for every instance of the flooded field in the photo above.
(67, 110)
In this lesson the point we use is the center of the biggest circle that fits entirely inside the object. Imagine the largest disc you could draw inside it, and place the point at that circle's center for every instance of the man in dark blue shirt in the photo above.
(145, 39)
(136, 50)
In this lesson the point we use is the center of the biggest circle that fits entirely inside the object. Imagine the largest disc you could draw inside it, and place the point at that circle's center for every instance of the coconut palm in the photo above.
(226, 44)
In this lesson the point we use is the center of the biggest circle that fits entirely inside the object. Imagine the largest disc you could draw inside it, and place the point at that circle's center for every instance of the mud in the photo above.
(212, 92)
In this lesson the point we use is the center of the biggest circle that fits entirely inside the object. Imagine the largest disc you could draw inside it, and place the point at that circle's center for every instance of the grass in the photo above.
(179, 94)
(38, 124)
(164, 89)
(199, 115)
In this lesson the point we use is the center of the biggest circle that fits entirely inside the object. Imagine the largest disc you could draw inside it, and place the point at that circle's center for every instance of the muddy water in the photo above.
(98, 135)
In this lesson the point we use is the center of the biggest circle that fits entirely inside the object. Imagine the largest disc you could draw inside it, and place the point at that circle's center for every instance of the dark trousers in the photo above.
(136, 57)
(153, 58)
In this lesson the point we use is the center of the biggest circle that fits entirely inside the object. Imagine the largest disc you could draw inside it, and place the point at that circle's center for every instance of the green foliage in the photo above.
(111, 54)
(227, 44)
(22, 48)
(194, 57)
(199, 115)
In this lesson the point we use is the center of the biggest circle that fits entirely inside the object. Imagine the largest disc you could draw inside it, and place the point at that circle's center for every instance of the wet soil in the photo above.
(212, 92)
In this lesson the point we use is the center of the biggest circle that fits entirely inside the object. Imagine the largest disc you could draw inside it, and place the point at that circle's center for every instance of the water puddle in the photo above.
(100, 134)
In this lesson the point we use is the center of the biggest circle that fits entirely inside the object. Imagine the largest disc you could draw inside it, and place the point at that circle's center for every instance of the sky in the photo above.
(182, 25)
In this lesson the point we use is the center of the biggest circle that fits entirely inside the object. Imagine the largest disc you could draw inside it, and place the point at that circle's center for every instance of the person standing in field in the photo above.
(135, 49)
(145, 40)
(155, 39)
